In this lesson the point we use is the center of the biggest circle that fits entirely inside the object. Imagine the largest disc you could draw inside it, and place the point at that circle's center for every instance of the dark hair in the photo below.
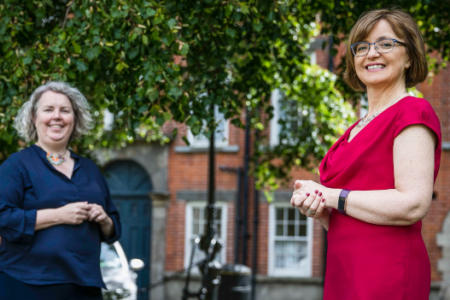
(405, 28)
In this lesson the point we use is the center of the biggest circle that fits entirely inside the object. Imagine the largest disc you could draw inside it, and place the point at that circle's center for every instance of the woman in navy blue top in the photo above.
(55, 207)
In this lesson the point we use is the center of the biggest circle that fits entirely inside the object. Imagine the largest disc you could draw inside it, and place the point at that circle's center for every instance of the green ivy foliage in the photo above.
(118, 53)
(149, 62)
(238, 53)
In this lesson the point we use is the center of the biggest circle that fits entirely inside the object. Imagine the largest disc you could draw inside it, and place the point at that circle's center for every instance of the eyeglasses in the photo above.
(382, 46)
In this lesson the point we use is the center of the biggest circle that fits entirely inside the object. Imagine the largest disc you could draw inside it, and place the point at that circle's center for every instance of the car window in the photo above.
(109, 259)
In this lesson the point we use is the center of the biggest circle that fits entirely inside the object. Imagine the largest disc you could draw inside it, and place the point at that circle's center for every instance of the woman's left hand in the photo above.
(97, 214)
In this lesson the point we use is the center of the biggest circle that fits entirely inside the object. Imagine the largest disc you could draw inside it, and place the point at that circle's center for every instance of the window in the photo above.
(363, 105)
(290, 238)
(220, 135)
(289, 113)
(195, 226)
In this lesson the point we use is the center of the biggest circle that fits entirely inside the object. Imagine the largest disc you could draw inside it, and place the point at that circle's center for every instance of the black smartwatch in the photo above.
(341, 203)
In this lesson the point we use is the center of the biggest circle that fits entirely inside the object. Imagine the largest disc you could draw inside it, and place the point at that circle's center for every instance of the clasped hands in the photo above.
(310, 198)
(77, 212)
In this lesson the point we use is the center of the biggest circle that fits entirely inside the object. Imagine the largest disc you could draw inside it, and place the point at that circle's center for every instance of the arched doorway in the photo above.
(130, 185)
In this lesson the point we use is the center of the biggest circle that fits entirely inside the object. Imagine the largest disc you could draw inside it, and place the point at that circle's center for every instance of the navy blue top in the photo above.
(58, 254)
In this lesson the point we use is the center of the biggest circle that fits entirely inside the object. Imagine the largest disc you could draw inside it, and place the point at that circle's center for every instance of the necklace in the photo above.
(367, 119)
(55, 159)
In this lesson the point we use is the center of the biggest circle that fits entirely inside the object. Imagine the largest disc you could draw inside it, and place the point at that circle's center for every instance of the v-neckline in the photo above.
(347, 138)
(348, 141)
(72, 156)
(71, 171)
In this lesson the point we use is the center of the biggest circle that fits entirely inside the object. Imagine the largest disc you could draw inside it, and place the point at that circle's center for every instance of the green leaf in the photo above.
(172, 23)
(81, 66)
(76, 47)
(184, 49)
(93, 53)
(145, 40)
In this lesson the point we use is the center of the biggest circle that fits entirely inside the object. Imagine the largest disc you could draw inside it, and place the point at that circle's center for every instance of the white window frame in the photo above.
(272, 270)
(188, 231)
(201, 141)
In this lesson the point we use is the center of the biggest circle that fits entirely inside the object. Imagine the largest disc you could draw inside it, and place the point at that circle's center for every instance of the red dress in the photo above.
(366, 261)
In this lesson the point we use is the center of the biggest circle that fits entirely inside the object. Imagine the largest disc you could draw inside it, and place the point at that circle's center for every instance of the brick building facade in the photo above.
(179, 175)
(188, 172)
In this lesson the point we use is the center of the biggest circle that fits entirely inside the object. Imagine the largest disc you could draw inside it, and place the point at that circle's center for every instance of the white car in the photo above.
(119, 277)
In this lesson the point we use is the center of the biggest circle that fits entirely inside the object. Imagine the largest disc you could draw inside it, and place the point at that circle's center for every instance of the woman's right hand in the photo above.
(73, 213)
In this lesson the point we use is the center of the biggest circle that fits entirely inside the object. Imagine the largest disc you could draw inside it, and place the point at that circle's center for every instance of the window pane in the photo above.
(198, 222)
(196, 228)
(279, 231)
(291, 230)
(302, 230)
(196, 213)
(290, 255)
(279, 213)
(291, 214)
(290, 115)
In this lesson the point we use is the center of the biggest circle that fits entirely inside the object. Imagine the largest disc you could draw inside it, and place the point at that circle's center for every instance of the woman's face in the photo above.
(54, 119)
(382, 70)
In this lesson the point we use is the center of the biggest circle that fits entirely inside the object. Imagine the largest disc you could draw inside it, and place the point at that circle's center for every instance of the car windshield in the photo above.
(109, 259)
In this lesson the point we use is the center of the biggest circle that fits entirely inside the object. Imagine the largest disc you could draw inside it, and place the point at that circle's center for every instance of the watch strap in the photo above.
(342, 198)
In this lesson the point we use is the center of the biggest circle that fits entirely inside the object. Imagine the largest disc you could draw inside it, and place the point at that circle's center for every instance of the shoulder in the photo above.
(16, 162)
(19, 157)
(87, 162)
(413, 105)
(413, 110)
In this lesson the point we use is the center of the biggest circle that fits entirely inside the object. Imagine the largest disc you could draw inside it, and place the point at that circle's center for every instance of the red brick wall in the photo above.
(189, 171)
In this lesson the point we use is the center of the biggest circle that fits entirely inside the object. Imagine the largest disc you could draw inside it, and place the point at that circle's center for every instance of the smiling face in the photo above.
(54, 119)
(382, 70)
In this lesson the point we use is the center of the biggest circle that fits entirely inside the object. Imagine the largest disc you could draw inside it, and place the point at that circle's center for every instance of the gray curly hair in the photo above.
(24, 124)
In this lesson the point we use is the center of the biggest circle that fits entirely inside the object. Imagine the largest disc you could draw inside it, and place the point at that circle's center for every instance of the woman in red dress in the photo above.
(377, 179)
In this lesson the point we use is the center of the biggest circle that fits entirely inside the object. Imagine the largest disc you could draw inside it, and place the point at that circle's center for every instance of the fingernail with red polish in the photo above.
(316, 191)
(320, 194)
(323, 200)
(307, 194)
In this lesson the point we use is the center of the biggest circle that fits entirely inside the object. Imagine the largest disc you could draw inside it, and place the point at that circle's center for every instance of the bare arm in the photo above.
(408, 202)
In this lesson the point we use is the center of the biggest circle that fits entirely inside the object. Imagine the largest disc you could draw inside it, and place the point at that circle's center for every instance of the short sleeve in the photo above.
(417, 111)
(16, 223)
